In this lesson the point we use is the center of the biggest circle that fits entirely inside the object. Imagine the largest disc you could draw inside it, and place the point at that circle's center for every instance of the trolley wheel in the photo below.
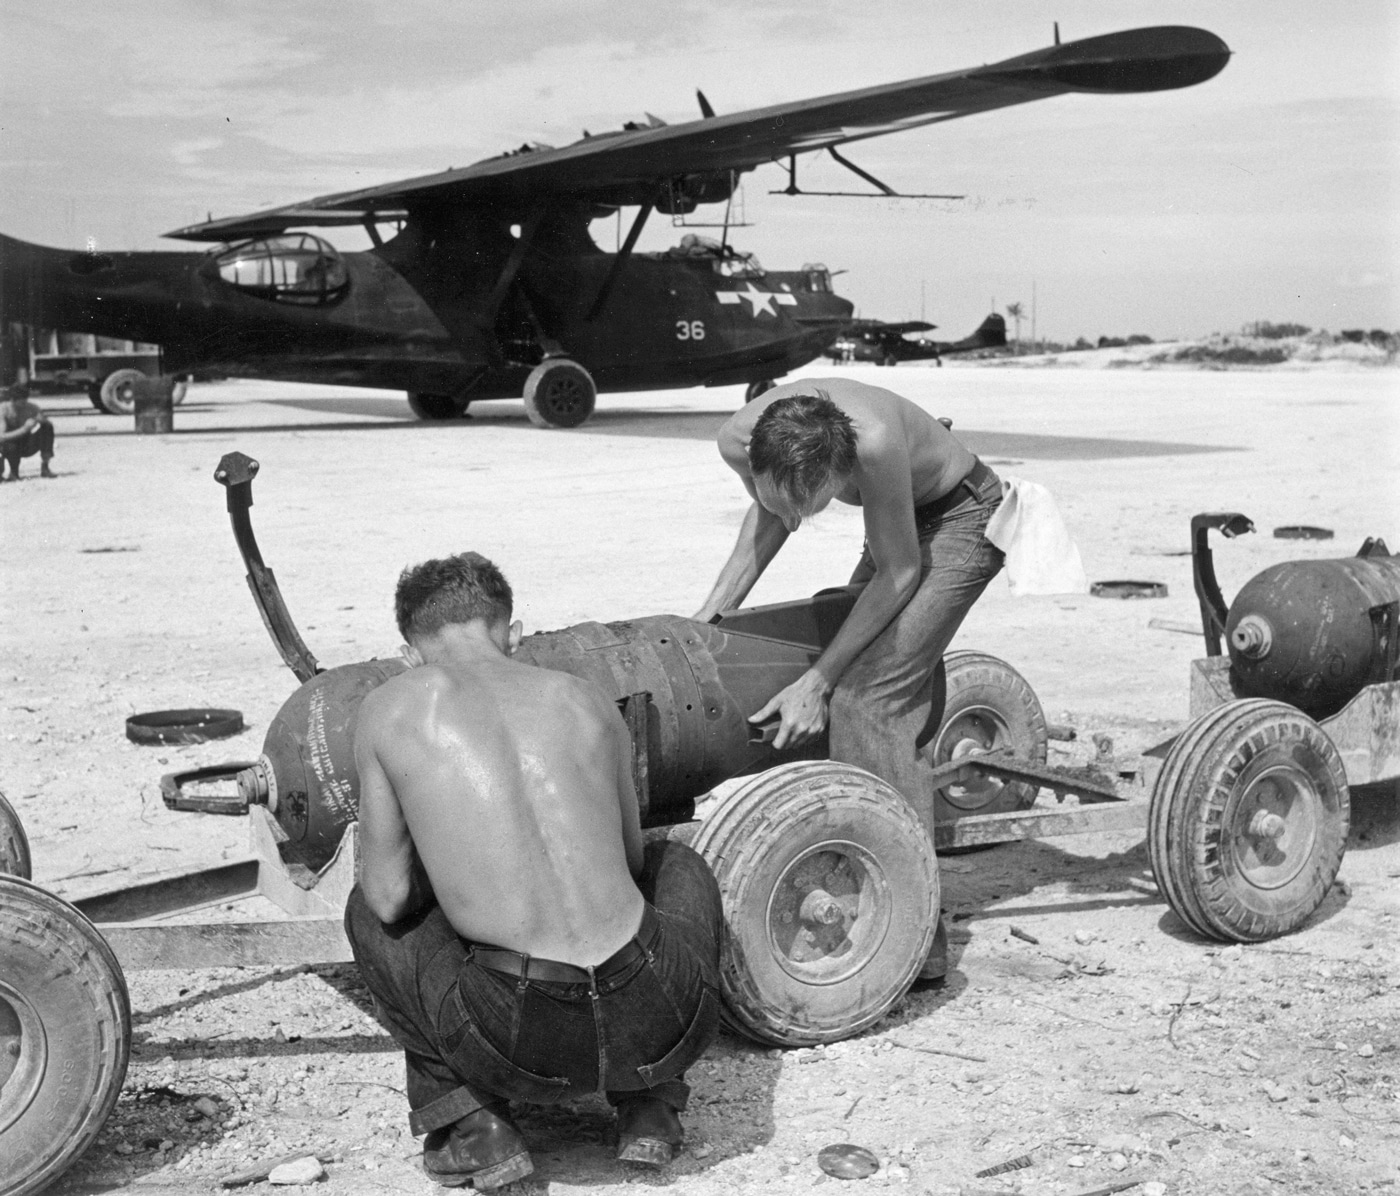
(559, 394)
(14, 846)
(988, 707)
(434, 407)
(830, 891)
(118, 391)
(65, 1035)
(1248, 821)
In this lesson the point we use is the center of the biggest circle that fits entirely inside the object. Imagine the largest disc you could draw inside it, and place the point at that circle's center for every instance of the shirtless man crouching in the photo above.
(520, 940)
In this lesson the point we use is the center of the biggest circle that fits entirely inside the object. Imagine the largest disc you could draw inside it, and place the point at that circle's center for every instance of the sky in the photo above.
(1271, 192)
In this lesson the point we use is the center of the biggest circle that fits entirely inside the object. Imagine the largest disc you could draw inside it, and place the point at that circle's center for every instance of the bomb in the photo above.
(686, 689)
(1313, 633)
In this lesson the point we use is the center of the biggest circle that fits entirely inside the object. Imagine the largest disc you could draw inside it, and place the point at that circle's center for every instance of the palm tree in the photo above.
(1016, 311)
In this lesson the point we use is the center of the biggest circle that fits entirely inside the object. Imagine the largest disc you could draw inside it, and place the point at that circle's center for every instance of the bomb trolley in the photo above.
(830, 883)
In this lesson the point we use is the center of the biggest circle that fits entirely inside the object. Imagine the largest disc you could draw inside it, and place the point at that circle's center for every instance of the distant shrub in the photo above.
(1274, 332)
(1081, 343)
(1355, 335)
(1231, 354)
(1111, 342)
(1138, 339)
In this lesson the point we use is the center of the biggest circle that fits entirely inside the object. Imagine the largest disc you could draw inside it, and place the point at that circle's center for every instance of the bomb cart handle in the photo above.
(1214, 610)
(235, 473)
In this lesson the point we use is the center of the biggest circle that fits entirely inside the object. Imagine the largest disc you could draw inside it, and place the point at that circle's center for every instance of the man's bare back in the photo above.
(937, 460)
(514, 784)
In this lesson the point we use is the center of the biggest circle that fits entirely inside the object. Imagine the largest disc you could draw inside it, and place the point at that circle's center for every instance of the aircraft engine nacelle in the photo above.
(700, 683)
(1313, 633)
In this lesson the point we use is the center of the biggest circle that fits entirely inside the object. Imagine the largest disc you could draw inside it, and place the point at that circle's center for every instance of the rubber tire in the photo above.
(754, 389)
(1200, 803)
(890, 360)
(986, 695)
(118, 395)
(14, 845)
(180, 389)
(559, 394)
(94, 394)
(752, 840)
(64, 1004)
(436, 407)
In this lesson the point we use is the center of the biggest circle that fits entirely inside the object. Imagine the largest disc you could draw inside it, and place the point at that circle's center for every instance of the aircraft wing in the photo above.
(662, 163)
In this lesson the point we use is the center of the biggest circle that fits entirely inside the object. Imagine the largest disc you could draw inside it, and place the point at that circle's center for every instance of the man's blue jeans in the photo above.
(473, 1036)
(882, 710)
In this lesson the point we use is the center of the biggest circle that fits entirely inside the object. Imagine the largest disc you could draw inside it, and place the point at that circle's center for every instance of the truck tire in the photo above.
(436, 407)
(559, 394)
(14, 845)
(180, 389)
(1248, 821)
(118, 392)
(830, 891)
(94, 394)
(988, 706)
(65, 1035)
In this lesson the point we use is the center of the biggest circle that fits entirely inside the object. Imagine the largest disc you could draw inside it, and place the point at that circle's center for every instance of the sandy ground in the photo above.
(1121, 1046)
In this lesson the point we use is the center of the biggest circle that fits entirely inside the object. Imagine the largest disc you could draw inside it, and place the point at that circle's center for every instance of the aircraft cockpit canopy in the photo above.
(726, 261)
(293, 268)
(818, 277)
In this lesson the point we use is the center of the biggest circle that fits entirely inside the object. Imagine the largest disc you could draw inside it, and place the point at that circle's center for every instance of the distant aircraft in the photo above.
(490, 285)
(888, 344)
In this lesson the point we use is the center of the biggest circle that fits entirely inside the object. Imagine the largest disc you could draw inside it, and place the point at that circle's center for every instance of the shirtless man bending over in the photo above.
(520, 941)
(926, 501)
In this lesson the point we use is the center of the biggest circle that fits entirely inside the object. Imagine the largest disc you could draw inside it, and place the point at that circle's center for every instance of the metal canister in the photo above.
(1313, 633)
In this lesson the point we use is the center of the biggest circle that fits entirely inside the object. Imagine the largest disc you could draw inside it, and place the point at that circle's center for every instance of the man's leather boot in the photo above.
(648, 1131)
(483, 1149)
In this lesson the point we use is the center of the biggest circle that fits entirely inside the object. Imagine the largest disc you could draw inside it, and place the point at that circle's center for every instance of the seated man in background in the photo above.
(520, 940)
(24, 431)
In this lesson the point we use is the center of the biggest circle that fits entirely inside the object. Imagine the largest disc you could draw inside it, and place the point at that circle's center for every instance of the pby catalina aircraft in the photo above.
(887, 344)
(490, 286)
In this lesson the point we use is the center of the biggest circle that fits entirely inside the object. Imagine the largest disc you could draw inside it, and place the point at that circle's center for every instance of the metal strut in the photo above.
(618, 262)
(235, 473)
(885, 191)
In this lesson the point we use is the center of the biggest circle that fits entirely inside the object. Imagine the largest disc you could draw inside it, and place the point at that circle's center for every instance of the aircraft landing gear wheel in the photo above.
(14, 845)
(754, 389)
(65, 1035)
(430, 406)
(1248, 821)
(988, 707)
(830, 891)
(118, 391)
(559, 394)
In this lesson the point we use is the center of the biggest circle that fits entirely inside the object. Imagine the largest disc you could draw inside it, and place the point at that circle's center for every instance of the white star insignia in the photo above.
(758, 301)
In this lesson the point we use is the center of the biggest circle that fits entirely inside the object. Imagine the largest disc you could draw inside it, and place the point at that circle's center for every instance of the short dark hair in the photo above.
(454, 589)
(801, 442)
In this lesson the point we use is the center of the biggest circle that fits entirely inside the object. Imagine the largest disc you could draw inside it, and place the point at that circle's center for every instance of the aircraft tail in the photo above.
(990, 334)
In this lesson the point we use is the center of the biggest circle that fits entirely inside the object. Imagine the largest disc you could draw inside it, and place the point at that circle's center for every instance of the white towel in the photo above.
(1041, 555)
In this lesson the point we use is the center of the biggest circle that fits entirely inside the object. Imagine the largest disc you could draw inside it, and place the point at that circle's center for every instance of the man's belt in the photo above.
(968, 489)
(532, 967)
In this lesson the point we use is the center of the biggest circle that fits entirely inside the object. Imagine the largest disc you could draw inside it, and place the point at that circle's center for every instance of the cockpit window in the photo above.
(725, 260)
(297, 268)
(818, 277)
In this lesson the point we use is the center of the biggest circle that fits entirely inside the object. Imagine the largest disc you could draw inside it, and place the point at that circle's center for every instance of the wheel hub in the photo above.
(1277, 820)
(828, 913)
(564, 396)
(23, 1055)
(973, 731)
